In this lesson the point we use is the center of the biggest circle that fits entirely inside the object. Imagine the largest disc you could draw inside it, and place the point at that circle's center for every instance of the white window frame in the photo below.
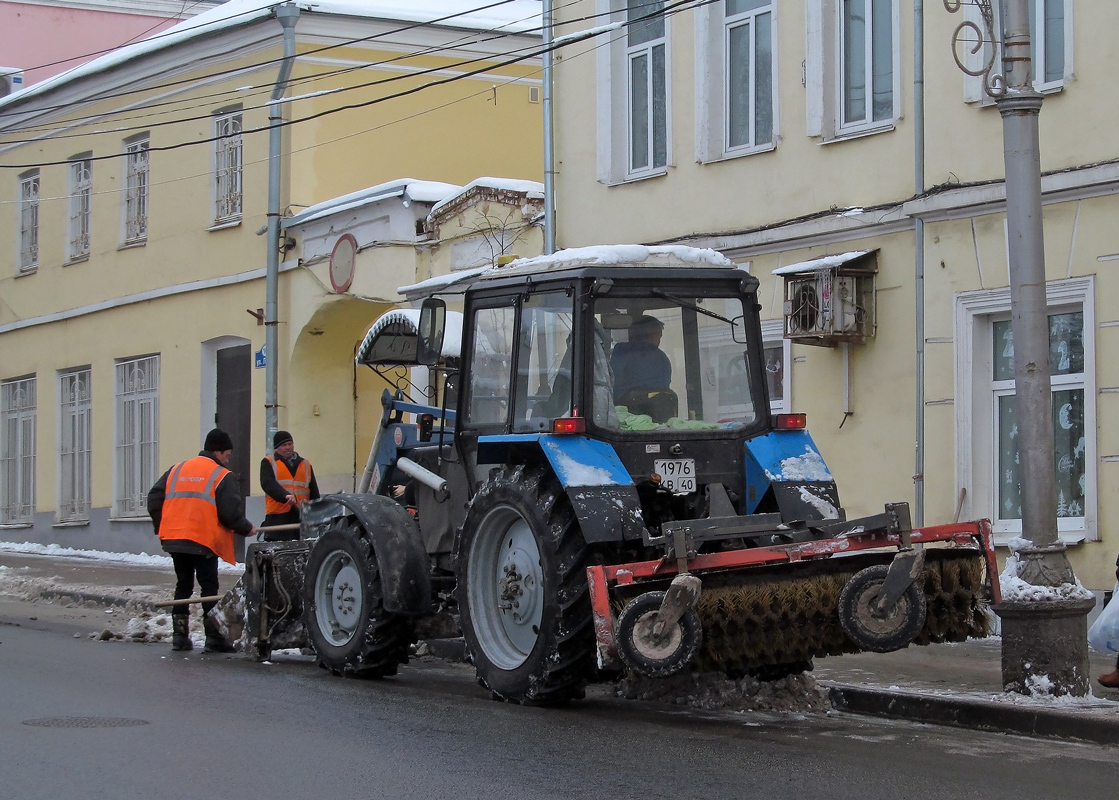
(228, 167)
(712, 82)
(613, 99)
(773, 334)
(823, 74)
(28, 256)
(81, 207)
(973, 85)
(136, 185)
(75, 444)
(975, 400)
(17, 450)
(136, 422)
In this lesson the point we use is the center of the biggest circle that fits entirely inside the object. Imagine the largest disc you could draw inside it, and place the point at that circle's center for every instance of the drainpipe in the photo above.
(286, 15)
(919, 255)
(549, 145)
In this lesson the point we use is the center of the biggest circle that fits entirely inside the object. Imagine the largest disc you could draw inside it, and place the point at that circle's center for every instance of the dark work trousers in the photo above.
(187, 565)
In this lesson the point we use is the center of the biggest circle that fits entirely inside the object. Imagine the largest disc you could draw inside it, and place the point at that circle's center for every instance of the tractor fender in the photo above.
(789, 463)
(599, 487)
(397, 544)
(596, 482)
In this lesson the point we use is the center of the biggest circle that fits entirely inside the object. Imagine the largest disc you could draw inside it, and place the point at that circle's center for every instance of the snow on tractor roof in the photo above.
(634, 255)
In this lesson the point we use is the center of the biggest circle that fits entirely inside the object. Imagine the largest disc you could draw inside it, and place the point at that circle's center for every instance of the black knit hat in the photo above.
(217, 441)
(280, 437)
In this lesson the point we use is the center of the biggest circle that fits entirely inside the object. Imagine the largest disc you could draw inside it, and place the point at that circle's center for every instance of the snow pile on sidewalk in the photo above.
(135, 559)
(713, 690)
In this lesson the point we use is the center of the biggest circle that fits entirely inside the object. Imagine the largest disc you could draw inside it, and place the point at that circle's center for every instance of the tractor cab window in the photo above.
(491, 366)
(674, 363)
(543, 390)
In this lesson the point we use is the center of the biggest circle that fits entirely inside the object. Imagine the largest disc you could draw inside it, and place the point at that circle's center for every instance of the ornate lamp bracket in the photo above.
(994, 83)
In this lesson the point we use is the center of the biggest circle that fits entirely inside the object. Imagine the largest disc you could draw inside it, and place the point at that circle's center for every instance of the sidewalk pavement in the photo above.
(946, 684)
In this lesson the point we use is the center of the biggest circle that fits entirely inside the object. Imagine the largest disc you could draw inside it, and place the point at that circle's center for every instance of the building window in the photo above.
(853, 67)
(648, 90)
(29, 221)
(17, 451)
(736, 98)
(1051, 45)
(136, 187)
(228, 164)
(74, 446)
(989, 428)
(866, 35)
(81, 198)
(137, 434)
(633, 96)
(778, 377)
(749, 73)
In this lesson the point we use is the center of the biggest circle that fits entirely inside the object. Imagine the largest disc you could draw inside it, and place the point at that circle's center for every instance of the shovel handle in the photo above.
(189, 601)
(293, 526)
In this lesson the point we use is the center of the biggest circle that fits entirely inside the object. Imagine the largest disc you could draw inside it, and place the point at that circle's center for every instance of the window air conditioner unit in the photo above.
(11, 80)
(831, 299)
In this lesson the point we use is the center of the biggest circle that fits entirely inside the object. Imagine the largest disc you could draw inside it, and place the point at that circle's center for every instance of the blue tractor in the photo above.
(587, 477)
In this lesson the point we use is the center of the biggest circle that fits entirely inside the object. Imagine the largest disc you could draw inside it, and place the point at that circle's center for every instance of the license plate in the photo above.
(677, 474)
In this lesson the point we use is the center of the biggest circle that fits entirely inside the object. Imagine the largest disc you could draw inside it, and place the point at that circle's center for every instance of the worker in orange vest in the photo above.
(287, 480)
(196, 508)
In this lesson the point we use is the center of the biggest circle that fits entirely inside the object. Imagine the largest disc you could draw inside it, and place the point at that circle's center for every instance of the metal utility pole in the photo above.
(286, 15)
(919, 257)
(549, 144)
(1041, 638)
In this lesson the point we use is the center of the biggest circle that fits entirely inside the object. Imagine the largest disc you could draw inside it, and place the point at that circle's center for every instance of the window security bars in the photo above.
(17, 451)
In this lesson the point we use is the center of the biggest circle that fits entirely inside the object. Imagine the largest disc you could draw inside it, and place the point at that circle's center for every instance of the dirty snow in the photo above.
(807, 467)
(1016, 590)
(531, 189)
(714, 691)
(825, 509)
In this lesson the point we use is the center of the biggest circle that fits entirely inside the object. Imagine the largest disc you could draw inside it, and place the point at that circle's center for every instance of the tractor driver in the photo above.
(640, 363)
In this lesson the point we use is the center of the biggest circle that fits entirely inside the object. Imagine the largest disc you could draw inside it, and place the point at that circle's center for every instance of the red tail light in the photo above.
(569, 425)
(790, 422)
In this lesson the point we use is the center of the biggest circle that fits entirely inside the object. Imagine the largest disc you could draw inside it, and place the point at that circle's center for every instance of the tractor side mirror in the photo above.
(433, 323)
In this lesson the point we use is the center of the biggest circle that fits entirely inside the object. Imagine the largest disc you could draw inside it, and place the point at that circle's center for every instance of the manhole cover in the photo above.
(84, 722)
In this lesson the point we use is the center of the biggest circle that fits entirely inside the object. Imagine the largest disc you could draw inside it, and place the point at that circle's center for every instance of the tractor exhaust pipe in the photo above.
(424, 476)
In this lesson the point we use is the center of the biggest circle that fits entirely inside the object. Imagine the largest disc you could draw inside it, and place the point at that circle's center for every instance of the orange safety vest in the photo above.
(190, 506)
(298, 484)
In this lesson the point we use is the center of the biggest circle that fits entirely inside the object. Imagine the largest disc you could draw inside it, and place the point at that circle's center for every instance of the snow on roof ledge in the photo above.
(408, 188)
(822, 263)
(516, 16)
(531, 189)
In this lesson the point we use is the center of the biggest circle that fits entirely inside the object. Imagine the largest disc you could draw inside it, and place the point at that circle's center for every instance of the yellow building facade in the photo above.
(782, 132)
(134, 190)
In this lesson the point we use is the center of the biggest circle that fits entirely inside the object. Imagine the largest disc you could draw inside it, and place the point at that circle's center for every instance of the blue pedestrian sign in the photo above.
(260, 359)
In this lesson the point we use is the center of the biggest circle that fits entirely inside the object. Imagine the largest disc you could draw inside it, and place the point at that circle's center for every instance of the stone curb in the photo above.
(977, 714)
(101, 599)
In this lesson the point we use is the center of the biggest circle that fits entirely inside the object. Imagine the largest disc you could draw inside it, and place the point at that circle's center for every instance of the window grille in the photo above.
(137, 434)
(81, 197)
(228, 165)
(29, 221)
(74, 449)
(136, 191)
(17, 451)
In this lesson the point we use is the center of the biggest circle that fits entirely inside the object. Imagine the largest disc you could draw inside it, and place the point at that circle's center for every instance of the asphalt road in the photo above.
(221, 726)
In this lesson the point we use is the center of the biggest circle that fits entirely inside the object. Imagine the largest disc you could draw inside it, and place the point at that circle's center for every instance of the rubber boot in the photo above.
(215, 642)
(180, 633)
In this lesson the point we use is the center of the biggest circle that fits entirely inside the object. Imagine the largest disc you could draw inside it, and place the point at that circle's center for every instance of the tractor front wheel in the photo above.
(344, 611)
(522, 589)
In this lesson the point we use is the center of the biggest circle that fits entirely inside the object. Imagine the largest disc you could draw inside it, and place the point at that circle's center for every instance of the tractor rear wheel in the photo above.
(871, 629)
(344, 610)
(522, 589)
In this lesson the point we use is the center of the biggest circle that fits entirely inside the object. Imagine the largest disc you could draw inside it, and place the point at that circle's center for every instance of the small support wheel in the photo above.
(871, 629)
(642, 652)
